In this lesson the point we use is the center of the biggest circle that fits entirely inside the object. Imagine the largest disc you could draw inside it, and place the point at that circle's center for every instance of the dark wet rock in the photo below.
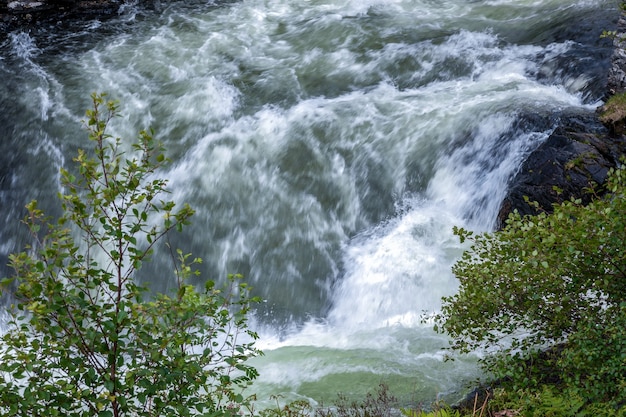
(43, 17)
(578, 154)
(475, 400)
(589, 62)
(616, 79)
(26, 14)
(573, 159)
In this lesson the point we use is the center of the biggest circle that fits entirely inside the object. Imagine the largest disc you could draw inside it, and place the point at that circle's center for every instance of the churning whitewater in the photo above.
(328, 146)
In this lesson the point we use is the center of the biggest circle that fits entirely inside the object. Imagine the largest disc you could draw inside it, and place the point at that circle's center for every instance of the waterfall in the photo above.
(328, 147)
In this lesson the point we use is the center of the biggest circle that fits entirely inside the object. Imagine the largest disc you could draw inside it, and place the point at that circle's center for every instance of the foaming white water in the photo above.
(457, 130)
(25, 49)
(23, 46)
(398, 271)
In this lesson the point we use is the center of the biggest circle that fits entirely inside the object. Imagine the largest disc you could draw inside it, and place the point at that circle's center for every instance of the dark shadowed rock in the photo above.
(574, 158)
(26, 14)
(616, 79)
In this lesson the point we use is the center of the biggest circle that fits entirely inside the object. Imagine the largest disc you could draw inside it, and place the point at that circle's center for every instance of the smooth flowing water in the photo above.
(328, 146)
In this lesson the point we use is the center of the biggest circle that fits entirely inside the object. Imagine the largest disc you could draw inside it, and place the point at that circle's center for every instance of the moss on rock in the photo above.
(613, 114)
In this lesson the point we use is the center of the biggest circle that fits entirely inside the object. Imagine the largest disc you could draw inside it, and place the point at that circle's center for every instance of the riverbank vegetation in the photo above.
(85, 338)
(546, 299)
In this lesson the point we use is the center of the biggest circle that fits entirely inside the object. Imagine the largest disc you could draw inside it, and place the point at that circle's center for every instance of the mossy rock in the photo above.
(613, 114)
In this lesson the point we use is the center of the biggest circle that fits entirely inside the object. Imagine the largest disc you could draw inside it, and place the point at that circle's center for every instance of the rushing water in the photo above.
(328, 146)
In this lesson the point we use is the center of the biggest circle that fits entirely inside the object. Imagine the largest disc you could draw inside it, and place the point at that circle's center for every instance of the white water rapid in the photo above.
(328, 146)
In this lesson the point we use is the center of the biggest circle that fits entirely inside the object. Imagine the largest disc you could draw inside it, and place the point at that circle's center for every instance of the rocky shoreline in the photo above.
(28, 14)
(577, 155)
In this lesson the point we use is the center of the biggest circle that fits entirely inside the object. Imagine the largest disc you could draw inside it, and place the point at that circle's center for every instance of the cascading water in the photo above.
(328, 146)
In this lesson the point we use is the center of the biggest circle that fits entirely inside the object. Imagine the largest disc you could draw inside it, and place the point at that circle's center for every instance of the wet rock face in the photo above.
(576, 156)
(616, 78)
(27, 13)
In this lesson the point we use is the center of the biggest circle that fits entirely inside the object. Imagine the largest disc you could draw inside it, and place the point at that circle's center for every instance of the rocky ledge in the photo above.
(578, 154)
(27, 13)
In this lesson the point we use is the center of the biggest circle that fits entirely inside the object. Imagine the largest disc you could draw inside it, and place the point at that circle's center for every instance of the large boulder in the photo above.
(576, 157)
(579, 153)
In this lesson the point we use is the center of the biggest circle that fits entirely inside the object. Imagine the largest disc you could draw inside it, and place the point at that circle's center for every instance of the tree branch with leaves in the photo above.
(85, 339)
(548, 281)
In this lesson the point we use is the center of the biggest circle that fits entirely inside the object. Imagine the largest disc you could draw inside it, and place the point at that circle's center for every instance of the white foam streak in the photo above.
(398, 271)
(23, 45)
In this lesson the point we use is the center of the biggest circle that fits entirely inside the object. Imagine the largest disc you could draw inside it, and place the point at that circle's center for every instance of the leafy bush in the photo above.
(595, 359)
(439, 412)
(380, 404)
(555, 281)
(298, 408)
(547, 401)
(85, 339)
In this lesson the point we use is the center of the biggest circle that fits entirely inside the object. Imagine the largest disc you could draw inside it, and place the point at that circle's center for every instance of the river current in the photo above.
(328, 146)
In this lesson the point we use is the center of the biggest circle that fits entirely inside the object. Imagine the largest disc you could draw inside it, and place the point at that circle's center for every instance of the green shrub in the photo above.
(554, 281)
(594, 361)
(298, 408)
(439, 412)
(548, 401)
(85, 339)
